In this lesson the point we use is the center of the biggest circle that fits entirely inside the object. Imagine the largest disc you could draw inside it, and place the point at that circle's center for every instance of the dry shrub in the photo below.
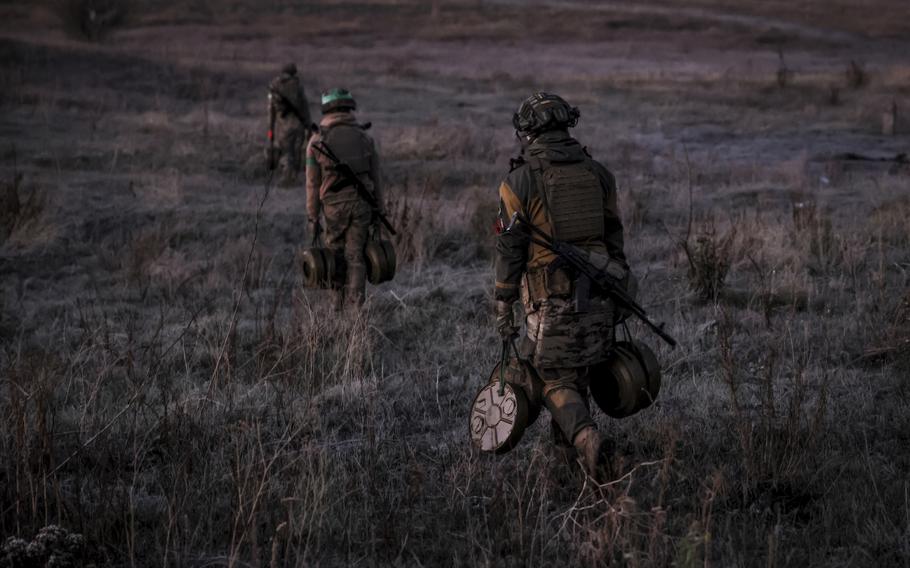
(856, 75)
(779, 414)
(891, 221)
(20, 206)
(784, 73)
(710, 257)
(892, 340)
(145, 247)
(435, 141)
(813, 232)
(434, 225)
(52, 546)
(92, 19)
(637, 209)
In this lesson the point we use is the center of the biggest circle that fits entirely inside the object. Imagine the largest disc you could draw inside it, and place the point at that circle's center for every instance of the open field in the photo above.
(169, 392)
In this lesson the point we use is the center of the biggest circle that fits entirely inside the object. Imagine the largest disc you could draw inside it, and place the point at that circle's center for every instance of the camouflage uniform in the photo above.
(289, 131)
(348, 218)
(560, 189)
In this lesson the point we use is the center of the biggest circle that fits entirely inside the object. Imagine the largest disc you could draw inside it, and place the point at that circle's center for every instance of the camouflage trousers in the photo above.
(347, 227)
(562, 343)
(565, 394)
(291, 141)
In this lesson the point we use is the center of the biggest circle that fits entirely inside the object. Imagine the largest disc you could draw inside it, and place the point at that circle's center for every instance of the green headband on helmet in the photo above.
(337, 95)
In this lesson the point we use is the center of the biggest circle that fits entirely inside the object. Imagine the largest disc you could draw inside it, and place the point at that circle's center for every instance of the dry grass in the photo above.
(169, 393)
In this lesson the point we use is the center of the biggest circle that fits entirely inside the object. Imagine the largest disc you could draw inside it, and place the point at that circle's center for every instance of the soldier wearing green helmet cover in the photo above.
(558, 187)
(348, 218)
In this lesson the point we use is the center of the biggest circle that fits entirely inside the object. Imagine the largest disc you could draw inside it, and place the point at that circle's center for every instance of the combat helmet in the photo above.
(542, 112)
(289, 69)
(336, 100)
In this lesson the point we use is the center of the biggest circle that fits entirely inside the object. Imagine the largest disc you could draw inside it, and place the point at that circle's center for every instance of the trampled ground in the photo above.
(172, 394)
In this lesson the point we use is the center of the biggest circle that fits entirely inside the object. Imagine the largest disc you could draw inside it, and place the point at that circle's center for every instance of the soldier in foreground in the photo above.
(348, 216)
(558, 188)
(289, 122)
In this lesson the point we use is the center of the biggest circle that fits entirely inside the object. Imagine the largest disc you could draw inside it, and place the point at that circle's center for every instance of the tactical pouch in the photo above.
(544, 283)
(558, 283)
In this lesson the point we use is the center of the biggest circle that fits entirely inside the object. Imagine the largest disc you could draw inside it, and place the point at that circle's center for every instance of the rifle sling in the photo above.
(293, 108)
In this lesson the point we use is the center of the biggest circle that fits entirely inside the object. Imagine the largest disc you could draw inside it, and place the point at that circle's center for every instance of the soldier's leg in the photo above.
(355, 240)
(283, 140)
(565, 402)
(295, 147)
(565, 394)
(337, 225)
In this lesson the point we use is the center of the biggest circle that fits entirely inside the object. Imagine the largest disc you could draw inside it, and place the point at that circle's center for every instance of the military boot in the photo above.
(561, 450)
(595, 453)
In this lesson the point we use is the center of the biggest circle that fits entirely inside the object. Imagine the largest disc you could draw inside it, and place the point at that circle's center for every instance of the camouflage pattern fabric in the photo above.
(290, 132)
(565, 338)
(290, 140)
(347, 227)
(565, 395)
(358, 150)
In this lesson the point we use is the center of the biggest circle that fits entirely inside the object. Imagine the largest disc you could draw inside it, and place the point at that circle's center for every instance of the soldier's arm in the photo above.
(511, 248)
(613, 229)
(376, 176)
(313, 181)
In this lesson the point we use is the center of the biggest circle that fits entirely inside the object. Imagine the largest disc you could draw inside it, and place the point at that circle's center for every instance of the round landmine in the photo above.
(497, 422)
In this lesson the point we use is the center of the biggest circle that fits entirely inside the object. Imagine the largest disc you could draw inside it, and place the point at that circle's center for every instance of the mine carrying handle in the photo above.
(575, 257)
(348, 177)
(504, 361)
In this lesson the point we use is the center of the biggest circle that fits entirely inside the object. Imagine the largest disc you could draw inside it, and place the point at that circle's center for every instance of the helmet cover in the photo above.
(544, 111)
(337, 99)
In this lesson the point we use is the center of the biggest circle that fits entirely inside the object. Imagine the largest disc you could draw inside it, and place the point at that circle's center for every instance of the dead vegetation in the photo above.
(169, 395)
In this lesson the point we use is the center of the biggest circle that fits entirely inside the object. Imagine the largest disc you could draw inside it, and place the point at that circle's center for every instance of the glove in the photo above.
(313, 229)
(505, 319)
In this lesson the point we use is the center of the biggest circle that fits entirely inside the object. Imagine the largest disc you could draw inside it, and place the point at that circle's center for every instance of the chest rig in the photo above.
(573, 200)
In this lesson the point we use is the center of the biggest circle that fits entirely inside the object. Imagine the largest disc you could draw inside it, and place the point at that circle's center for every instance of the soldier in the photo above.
(289, 111)
(348, 218)
(558, 187)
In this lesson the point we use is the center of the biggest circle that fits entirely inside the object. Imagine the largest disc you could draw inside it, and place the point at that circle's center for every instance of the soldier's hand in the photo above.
(505, 319)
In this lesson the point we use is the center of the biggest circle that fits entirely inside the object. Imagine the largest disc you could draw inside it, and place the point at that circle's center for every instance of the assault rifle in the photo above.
(580, 260)
(347, 178)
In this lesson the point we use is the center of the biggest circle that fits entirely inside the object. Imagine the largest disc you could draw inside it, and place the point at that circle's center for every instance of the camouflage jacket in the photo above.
(285, 90)
(520, 191)
(352, 145)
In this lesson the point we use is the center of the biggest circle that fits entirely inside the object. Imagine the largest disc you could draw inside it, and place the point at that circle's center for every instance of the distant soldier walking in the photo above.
(289, 123)
(348, 217)
(558, 188)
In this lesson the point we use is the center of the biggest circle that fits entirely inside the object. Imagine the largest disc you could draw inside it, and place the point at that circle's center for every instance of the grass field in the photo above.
(170, 395)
